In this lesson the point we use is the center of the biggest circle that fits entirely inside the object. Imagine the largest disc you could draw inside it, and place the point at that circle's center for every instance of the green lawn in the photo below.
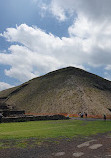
(52, 129)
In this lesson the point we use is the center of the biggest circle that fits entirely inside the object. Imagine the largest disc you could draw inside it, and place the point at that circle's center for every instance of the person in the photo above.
(1, 117)
(85, 114)
(104, 117)
(79, 114)
(82, 115)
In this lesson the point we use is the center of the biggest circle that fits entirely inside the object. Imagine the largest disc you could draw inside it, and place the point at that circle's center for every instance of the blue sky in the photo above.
(39, 36)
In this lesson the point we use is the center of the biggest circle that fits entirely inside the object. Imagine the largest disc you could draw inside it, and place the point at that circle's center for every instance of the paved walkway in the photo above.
(88, 119)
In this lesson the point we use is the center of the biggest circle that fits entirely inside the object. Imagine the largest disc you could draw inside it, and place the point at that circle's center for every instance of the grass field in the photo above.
(52, 129)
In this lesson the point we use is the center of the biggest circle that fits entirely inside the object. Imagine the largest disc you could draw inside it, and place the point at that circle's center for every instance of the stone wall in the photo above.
(33, 118)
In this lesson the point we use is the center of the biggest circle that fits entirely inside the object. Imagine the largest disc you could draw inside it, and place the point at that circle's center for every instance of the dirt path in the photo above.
(92, 147)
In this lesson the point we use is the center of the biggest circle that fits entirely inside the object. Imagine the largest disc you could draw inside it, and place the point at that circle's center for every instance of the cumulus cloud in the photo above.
(92, 25)
(26, 64)
(38, 52)
(57, 11)
(96, 9)
(4, 85)
(107, 76)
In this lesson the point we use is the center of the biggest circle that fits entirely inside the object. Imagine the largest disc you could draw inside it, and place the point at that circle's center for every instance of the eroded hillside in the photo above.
(68, 90)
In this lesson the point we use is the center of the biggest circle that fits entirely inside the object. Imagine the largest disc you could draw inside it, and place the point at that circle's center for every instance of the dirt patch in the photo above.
(63, 148)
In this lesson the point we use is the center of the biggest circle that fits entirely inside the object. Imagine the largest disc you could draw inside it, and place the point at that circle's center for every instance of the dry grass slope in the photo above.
(68, 90)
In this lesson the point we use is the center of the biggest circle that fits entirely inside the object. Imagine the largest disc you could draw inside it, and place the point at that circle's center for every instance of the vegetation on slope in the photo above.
(68, 90)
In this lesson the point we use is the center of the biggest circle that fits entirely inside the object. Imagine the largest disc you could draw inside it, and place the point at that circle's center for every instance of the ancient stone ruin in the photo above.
(9, 110)
(11, 114)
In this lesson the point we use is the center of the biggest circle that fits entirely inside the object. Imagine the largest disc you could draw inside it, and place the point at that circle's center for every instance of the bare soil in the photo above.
(98, 146)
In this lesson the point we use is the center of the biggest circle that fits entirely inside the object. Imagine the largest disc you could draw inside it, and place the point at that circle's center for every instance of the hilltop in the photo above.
(67, 90)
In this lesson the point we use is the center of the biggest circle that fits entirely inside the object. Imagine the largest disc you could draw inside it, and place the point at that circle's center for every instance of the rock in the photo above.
(78, 154)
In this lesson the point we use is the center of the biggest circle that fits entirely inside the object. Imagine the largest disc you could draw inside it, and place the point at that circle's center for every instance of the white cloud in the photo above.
(108, 67)
(38, 52)
(96, 39)
(4, 85)
(107, 76)
(89, 41)
(26, 64)
(57, 11)
(96, 9)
